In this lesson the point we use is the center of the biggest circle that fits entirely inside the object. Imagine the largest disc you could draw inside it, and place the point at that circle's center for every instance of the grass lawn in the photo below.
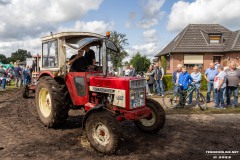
(9, 87)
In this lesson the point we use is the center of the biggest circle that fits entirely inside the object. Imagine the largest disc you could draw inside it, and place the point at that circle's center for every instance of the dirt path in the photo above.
(22, 136)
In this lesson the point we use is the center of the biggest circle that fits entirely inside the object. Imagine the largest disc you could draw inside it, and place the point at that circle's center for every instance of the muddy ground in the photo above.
(185, 136)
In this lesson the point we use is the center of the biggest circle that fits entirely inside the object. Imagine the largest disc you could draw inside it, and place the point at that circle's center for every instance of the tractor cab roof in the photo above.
(77, 40)
(72, 35)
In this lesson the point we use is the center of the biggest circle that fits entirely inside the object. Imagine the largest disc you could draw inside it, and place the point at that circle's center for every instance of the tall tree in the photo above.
(21, 55)
(140, 63)
(3, 58)
(121, 41)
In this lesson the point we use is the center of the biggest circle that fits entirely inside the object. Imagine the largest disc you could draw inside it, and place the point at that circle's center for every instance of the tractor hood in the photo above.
(114, 82)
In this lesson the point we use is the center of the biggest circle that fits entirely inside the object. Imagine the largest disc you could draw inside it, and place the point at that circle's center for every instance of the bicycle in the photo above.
(172, 99)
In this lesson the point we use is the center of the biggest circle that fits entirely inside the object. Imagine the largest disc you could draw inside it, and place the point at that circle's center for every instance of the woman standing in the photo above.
(197, 77)
(3, 75)
(150, 79)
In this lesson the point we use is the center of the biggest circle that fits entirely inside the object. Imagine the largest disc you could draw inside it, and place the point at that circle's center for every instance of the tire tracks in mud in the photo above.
(8, 97)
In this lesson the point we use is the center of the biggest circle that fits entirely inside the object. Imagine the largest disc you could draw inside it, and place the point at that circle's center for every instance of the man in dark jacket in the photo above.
(159, 73)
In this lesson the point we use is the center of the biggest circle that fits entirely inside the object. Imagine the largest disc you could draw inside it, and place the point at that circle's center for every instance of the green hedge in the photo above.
(167, 80)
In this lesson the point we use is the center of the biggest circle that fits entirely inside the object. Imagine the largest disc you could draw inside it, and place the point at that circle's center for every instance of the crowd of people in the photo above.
(222, 81)
(21, 75)
(154, 77)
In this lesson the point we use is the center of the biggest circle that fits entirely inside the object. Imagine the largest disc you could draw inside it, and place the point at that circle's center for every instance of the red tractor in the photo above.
(107, 100)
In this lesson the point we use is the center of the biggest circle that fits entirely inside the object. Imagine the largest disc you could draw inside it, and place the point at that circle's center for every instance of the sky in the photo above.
(149, 25)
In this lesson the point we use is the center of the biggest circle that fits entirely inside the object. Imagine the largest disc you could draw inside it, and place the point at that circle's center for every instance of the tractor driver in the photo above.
(90, 56)
(78, 62)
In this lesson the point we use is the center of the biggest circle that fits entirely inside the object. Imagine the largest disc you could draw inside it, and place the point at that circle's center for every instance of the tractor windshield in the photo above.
(79, 43)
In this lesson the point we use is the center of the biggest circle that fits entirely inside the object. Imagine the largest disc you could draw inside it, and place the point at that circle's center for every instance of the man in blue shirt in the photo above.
(209, 75)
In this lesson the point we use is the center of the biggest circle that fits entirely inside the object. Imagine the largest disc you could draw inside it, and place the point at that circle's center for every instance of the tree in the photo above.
(140, 63)
(164, 63)
(3, 58)
(121, 41)
(21, 55)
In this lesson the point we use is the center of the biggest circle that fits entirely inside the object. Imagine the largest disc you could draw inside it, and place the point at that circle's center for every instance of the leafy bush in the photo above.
(167, 81)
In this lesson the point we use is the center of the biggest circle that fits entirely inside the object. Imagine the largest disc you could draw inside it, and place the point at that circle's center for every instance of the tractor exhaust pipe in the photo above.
(104, 59)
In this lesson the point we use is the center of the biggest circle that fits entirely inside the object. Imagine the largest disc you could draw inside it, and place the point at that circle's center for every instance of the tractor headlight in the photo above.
(141, 95)
(133, 96)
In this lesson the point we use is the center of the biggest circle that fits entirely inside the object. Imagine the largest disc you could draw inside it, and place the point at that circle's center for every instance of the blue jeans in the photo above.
(159, 87)
(209, 89)
(219, 97)
(175, 89)
(229, 91)
(191, 94)
(3, 83)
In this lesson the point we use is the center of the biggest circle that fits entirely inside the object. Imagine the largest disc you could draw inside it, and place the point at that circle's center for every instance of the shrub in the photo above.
(167, 81)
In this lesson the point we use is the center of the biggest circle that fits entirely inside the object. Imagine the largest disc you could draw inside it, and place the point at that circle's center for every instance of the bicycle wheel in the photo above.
(201, 101)
(171, 99)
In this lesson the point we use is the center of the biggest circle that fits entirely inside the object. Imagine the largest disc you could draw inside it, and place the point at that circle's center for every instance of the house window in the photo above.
(193, 60)
(215, 39)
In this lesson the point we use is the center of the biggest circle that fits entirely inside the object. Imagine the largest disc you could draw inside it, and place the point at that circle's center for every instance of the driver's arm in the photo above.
(70, 62)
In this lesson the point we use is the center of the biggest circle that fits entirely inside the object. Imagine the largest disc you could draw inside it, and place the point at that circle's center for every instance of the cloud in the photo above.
(23, 22)
(151, 13)
(26, 18)
(149, 45)
(4, 2)
(31, 45)
(151, 8)
(131, 19)
(204, 11)
(147, 23)
(34, 44)
(93, 26)
(150, 35)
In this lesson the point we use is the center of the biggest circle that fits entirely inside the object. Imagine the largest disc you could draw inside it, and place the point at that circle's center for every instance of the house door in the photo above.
(217, 58)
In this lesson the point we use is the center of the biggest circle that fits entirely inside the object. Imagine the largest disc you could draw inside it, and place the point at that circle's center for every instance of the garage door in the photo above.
(193, 59)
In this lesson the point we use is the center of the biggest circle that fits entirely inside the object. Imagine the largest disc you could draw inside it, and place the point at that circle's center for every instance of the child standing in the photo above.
(184, 80)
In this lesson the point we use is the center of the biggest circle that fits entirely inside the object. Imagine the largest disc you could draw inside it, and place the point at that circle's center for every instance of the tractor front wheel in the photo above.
(104, 132)
(156, 121)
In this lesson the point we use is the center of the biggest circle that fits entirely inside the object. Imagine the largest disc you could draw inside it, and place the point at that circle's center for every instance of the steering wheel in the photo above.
(85, 68)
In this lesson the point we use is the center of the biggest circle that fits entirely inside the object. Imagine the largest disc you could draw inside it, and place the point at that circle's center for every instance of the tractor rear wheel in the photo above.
(156, 121)
(104, 132)
(52, 101)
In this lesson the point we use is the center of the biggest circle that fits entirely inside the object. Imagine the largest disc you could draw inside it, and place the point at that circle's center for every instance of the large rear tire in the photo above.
(157, 120)
(104, 132)
(52, 101)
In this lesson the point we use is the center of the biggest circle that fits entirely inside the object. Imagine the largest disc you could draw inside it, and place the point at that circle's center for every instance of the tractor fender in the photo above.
(45, 73)
(91, 111)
